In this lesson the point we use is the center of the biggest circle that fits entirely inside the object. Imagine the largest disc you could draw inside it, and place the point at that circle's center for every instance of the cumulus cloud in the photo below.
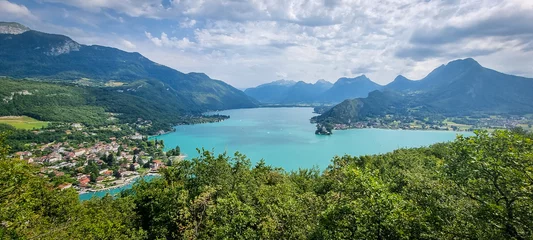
(127, 44)
(15, 11)
(238, 40)
(187, 23)
(165, 41)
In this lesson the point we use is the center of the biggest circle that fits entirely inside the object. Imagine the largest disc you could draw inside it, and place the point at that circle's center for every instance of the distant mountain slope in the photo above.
(464, 86)
(461, 87)
(303, 92)
(33, 54)
(376, 104)
(321, 92)
(401, 83)
(273, 92)
(348, 88)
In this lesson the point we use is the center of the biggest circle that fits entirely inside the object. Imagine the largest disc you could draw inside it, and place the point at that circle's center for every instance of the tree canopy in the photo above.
(476, 187)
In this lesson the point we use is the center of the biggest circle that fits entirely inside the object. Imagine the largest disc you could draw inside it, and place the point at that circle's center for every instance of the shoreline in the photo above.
(127, 181)
(415, 129)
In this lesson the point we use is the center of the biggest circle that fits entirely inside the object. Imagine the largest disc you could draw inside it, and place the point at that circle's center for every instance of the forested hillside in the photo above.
(114, 79)
(461, 88)
(473, 188)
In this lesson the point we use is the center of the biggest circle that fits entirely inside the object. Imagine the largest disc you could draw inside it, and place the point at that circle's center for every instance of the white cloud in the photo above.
(165, 41)
(127, 44)
(249, 42)
(15, 11)
(187, 23)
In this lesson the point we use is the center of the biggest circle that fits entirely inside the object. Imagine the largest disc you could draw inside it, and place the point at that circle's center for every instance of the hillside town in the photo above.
(445, 124)
(99, 162)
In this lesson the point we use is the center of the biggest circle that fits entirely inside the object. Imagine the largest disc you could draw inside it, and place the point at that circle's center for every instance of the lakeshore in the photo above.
(113, 191)
(284, 137)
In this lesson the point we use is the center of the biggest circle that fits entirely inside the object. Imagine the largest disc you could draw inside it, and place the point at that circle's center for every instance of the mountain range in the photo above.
(131, 81)
(292, 92)
(460, 88)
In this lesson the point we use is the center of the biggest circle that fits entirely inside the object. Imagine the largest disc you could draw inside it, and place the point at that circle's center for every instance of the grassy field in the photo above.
(23, 122)
(461, 127)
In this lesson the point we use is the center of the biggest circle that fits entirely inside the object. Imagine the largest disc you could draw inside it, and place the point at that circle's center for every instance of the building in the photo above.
(64, 186)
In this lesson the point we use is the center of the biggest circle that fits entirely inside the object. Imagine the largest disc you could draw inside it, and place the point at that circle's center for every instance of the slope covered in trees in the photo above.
(57, 58)
(461, 88)
(473, 188)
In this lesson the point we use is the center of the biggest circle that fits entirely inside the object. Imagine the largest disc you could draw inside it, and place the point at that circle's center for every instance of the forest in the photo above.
(478, 187)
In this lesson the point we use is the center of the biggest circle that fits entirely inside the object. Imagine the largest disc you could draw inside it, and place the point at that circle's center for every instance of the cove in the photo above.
(285, 138)
(112, 191)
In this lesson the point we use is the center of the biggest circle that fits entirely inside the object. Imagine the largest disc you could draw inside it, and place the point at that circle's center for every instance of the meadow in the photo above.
(23, 122)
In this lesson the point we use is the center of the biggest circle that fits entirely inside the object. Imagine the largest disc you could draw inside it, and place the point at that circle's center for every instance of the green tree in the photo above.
(495, 171)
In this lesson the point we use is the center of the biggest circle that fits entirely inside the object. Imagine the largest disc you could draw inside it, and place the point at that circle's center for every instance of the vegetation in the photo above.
(473, 188)
(23, 122)
(63, 102)
(460, 93)
(71, 81)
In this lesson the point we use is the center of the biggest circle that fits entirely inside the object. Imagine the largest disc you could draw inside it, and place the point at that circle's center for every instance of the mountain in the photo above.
(56, 58)
(12, 28)
(460, 88)
(280, 92)
(464, 86)
(273, 92)
(376, 104)
(348, 88)
(303, 92)
(401, 84)
(288, 91)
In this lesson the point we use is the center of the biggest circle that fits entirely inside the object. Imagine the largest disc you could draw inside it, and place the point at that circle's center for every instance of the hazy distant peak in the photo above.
(401, 78)
(322, 81)
(12, 28)
(463, 63)
(284, 82)
(361, 78)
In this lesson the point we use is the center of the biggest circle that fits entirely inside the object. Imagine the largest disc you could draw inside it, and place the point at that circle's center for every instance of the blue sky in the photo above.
(249, 42)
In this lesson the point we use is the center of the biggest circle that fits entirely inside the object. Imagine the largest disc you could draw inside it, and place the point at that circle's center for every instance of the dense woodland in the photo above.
(66, 102)
(477, 187)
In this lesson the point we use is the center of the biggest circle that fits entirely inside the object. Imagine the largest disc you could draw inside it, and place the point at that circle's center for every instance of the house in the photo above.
(106, 172)
(54, 157)
(70, 155)
(136, 166)
(84, 180)
(80, 152)
(58, 173)
(64, 186)
(137, 136)
(77, 126)
(156, 164)
(24, 155)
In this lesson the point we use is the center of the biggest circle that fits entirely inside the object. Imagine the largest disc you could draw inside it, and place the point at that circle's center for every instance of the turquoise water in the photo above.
(284, 137)
(112, 192)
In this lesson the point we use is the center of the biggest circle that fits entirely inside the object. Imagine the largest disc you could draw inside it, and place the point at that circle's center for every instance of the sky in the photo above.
(250, 42)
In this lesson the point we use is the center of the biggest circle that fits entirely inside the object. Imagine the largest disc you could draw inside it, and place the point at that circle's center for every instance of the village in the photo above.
(98, 165)
(447, 124)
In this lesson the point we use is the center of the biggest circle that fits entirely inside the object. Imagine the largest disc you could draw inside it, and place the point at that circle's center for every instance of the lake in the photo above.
(284, 137)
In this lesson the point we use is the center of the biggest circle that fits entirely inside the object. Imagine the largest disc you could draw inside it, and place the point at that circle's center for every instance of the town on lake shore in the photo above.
(93, 158)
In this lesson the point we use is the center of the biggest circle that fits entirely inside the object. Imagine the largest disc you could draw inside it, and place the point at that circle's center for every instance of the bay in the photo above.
(285, 138)
(112, 191)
